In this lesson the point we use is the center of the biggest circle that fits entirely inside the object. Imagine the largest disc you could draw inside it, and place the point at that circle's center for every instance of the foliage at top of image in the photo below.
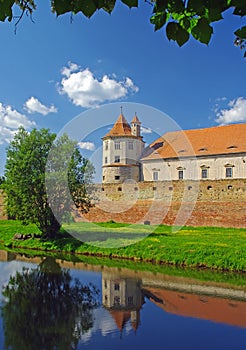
(180, 18)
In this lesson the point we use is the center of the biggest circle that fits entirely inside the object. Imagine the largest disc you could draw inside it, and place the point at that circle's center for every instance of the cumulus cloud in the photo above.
(235, 112)
(145, 130)
(10, 120)
(85, 90)
(87, 145)
(33, 105)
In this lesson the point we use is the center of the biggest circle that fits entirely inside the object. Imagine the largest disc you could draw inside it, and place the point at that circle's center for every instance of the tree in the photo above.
(45, 308)
(31, 166)
(181, 18)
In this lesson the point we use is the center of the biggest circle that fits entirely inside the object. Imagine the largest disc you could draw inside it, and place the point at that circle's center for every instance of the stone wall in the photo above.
(196, 203)
(205, 203)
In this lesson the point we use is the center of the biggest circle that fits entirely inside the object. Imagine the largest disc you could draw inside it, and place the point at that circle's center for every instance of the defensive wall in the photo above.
(196, 203)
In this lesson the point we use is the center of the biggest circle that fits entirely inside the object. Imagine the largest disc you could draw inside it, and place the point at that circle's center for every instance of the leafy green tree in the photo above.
(181, 18)
(30, 169)
(46, 308)
(2, 179)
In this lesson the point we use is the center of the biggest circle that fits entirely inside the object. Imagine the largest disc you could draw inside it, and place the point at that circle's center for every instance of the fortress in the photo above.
(214, 153)
(194, 177)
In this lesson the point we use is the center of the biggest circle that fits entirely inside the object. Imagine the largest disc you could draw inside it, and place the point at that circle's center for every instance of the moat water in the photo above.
(55, 304)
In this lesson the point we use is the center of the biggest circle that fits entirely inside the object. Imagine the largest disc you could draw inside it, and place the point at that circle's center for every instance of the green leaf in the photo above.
(6, 9)
(241, 33)
(240, 7)
(160, 6)
(159, 19)
(202, 31)
(87, 7)
(171, 30)
(196, 6)
(106, 5)
(177, 33)
(62, 6)
(176, 6)
(130, 3)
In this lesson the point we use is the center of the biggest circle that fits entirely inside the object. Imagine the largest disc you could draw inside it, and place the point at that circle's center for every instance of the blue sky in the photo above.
(52, 70)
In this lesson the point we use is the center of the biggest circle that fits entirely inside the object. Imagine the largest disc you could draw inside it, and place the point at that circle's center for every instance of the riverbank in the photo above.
(210, 247)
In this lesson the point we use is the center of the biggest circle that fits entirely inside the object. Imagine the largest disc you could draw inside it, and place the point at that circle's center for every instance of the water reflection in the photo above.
(46, 308)
(123, 297)
(53, 306)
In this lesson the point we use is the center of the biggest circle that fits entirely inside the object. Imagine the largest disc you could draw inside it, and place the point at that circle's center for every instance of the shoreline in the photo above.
(215, 249)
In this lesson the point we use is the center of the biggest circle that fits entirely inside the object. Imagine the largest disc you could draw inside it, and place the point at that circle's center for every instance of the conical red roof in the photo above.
(120, 128)
(135, 119)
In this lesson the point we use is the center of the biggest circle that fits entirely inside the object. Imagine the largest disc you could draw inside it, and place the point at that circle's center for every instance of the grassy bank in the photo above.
(215, 248)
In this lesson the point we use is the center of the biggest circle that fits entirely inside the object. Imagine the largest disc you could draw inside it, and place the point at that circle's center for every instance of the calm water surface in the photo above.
(53, 304)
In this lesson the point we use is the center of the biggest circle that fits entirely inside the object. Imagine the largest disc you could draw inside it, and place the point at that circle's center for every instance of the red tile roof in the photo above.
(135, 119)
(120, 128)
(229, 139)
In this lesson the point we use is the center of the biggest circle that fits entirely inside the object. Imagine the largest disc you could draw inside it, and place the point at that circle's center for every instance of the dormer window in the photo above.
(231, 147)
(203, 149)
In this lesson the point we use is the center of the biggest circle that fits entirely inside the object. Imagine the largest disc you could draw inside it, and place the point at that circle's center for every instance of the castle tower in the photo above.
(135, 126)
(122, 148)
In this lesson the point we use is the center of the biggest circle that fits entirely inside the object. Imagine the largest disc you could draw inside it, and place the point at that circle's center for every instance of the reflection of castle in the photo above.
(123, 298)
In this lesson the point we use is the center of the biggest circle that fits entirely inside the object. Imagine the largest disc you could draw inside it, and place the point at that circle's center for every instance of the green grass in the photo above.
(210, 247)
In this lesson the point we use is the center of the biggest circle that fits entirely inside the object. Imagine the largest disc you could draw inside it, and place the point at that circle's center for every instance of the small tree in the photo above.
(27, 165)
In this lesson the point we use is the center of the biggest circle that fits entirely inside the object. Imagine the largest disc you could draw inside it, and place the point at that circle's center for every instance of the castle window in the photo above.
(155, 175)
(116, 286)
(106, 160)
(130, 144)
(204, 173)
(117, 177)
(117, 159)
(228, 171)
(181, 174)
(117, 145)
(106, 145)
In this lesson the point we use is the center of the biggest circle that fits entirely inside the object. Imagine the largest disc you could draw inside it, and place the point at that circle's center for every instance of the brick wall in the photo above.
(205, 203)
(196, 203)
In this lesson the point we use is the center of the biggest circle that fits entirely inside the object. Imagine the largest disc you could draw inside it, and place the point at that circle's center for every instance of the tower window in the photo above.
(116, 286)
(155, 175)
(130, 144)
(106, 160)
(117, 145)
(117, 177)
(181, 174)
(117, 159)
(106, 145)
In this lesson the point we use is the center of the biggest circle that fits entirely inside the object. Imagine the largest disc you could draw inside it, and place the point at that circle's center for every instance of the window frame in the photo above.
(116, 145)
(117, 159)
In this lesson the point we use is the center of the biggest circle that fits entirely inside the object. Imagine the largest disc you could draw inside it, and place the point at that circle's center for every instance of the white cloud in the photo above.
(87, 145)
(10, 120)
(145, 130)
(85, 90)
(33, 105)
(236, 112)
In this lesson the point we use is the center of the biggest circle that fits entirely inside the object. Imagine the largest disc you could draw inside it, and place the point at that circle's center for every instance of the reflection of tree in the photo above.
(46, 309)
